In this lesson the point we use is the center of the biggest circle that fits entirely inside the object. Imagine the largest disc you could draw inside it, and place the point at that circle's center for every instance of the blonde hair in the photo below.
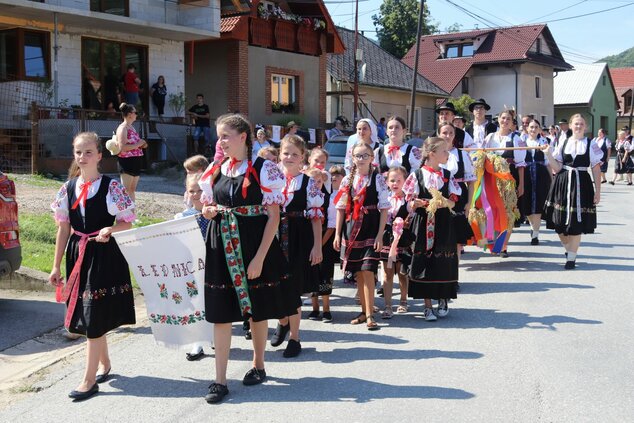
(192, 178)
(195, 164)
(262, 152)
(575, 116)
(431, 145)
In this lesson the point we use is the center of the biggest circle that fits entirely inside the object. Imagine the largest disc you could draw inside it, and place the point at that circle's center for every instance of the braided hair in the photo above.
(240, 124)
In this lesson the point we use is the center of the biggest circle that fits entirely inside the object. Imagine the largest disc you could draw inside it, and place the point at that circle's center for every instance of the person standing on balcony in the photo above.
(200, 113)
(159, 92)
(131, 84)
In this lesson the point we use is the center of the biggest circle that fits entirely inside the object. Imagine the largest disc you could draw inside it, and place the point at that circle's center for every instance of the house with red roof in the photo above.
(269, 62)
(623, 79)
(509, 67)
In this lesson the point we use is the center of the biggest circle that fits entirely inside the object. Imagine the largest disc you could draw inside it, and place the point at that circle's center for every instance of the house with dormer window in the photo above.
(509, 67)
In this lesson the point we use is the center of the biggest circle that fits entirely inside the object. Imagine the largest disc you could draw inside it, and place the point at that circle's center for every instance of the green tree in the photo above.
(396, 25)
(624, 59)
(462, 105)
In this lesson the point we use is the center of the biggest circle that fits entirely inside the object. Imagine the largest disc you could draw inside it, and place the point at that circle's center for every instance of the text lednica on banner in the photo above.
(168, 262)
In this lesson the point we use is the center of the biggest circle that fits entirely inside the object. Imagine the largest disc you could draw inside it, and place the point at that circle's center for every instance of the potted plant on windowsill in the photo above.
(177, 105)
(277, 107)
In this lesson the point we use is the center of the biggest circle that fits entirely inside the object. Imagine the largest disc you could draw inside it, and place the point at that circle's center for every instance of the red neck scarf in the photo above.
(245, 184)
(393, 149)
(437, 172)
(83, 194)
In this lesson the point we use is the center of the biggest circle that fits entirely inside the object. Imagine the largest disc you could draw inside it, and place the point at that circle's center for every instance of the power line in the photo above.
(556, 11)
(591, 13)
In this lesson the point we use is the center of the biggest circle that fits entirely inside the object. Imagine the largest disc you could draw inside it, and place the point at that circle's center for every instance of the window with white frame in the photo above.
(538, 87)
(283, 93)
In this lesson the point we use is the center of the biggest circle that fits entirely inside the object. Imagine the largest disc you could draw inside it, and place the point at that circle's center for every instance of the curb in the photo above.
(26, 279)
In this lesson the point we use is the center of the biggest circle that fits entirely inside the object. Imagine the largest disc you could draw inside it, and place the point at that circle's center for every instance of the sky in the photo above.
(581, 40)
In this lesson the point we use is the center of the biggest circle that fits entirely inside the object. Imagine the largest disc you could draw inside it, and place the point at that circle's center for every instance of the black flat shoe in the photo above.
(103, 377)
(570, 264)
(293, 349)
(504, 254)
(254, 377)
(535, 241)
(195, 357)
(80, 396)
(611, 183)
(248, 336)
(216, 393)
(280, 334)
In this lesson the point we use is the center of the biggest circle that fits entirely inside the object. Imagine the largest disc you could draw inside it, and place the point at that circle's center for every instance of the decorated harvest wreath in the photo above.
(494, 205)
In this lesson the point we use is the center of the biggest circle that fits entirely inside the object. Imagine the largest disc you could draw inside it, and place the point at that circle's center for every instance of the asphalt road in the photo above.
(525, 341)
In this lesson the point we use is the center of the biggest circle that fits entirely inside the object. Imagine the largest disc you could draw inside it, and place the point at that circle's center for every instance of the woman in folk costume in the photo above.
(362, 205)
(366, 134)
(623, 163)
(432, 193)
(396, 152)
(300, 236)
(606, 146)
(506, 137)
(571, 204)
(461, 168)
(245, 271)
(98, 291)
(537, 179)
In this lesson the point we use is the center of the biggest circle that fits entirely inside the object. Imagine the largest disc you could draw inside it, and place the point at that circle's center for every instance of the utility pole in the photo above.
(356, 68)
(419, 31)
(631, 110)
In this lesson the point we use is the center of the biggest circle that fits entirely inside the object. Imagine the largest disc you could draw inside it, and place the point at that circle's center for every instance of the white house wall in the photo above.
(495, 84)
(164, 58)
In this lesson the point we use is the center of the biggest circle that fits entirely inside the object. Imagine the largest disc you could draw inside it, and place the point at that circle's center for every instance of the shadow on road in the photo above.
(351, 355)
(465, 318)
(478, 288)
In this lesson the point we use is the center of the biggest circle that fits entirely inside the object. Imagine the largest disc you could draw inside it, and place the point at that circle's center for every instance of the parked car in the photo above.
(336, 148)
(10, 250)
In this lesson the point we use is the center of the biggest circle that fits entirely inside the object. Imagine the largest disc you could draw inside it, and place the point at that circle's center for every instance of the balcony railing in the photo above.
(284, 35)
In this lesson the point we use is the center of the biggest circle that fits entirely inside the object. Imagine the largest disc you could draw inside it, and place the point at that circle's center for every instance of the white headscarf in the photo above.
(373, 132)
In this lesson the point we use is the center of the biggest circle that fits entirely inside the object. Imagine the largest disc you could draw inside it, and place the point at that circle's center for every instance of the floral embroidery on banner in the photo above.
(178, 298)
(172, 319)
(192, 288)
(162, 290)
(119, 196)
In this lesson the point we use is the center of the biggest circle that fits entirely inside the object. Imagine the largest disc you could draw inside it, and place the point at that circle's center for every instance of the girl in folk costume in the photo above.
(300, 236)
(131, 148)
(432, 192)
(623, 163)
(195, 207)
(366, 134)
(330, 256)
(317, 169)
(506, 137)
(362, 204)
(396, 254)
(537, 179)
(98, 291)
(606, 146)
(461, 167)
(571, 204)
(245, 269)
(396, 152)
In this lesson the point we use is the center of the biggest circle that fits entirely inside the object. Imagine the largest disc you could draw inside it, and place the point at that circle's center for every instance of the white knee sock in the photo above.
(572, 256)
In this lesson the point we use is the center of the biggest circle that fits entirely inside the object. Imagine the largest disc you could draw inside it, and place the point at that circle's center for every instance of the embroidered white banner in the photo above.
(168, 262)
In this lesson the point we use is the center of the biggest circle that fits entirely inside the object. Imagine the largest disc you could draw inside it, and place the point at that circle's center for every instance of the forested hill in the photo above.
(624, 59)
